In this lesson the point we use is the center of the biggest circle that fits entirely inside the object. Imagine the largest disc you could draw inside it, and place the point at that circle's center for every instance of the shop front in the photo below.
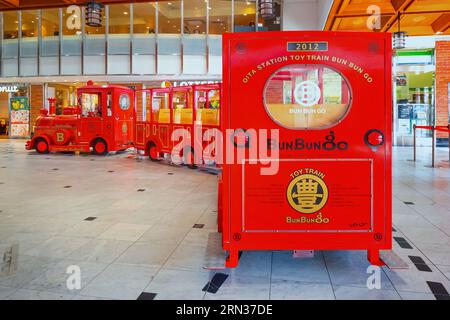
(414, 95)
(14, 111)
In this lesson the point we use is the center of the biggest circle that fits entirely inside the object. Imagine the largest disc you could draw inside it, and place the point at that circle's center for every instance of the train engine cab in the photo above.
(103, 121)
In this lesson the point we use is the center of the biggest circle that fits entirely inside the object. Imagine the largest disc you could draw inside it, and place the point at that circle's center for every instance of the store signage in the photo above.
(9, 89)
(192, 83)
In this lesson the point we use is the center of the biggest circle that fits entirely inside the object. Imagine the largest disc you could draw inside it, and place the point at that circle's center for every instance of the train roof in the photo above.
(91, 85)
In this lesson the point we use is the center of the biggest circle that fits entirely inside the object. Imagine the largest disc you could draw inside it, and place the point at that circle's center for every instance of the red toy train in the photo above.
(103, 120)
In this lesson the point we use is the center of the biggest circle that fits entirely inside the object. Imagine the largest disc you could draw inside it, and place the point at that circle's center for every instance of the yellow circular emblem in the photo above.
(307, 193)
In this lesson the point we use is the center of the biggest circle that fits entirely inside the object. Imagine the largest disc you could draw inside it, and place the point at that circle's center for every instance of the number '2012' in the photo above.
(307, 46)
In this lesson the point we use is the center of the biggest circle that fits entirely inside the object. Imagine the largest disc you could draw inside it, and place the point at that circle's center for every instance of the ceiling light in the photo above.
(94, 14)
(266, 9)
(399, 37)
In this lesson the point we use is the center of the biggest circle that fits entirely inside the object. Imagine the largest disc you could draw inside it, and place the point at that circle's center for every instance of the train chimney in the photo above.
(52, 106)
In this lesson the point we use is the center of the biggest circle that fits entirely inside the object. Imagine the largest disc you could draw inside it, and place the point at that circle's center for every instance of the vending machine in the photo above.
(308, 161)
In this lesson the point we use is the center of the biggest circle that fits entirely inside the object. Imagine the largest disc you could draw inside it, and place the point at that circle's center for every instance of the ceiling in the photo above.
(417, 17)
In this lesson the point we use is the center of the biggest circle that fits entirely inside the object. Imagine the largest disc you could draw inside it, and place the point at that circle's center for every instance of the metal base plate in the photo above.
(392, 260)
(215, 256)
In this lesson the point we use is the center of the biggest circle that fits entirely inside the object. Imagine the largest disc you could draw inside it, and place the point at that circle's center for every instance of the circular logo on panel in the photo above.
(307, 93)
(307, 193)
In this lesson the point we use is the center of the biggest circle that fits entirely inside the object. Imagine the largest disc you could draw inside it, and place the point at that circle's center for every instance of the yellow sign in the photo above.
(307, 193)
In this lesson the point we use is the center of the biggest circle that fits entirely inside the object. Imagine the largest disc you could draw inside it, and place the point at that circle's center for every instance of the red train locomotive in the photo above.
(103, 120)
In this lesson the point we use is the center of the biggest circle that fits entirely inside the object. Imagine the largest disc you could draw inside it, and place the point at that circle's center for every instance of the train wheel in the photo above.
(189, 158)
(100, 147)
(41, 146)
(153, 153)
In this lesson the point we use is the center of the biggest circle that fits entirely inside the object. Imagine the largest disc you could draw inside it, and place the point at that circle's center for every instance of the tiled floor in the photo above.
(139, 241)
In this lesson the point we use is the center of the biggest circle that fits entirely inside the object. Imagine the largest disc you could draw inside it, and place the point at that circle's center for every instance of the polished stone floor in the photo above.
(127, 224)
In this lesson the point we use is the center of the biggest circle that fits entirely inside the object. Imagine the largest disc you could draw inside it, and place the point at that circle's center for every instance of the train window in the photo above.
(124, 101)
(90, 105)
(213, 99)
(160, 107)
(109, 104)
(208, 105)
(182, 112)
(200, 99)
(307, 97)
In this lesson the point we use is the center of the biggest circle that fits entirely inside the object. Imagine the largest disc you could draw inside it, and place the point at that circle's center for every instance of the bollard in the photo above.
(414, 141)
(448, 127)
(433, 145)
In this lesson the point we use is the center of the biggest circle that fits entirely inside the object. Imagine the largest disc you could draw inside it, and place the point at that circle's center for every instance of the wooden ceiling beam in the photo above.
(335, 9)
(399, 6)
(442, 23)
(10, 3)
(403, 13)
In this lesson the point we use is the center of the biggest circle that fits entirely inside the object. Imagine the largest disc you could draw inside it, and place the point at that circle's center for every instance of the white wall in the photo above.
(323, 8)
(305, 14)
(300, 15)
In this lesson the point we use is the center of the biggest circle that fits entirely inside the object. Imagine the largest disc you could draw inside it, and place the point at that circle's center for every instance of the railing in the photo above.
(433, 144)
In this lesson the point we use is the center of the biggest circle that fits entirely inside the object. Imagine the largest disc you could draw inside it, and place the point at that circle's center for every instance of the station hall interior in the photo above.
(135, 222)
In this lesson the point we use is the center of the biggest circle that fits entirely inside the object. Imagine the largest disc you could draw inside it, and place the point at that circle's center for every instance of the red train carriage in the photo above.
(103, 121)
(323, 180)
(188, 109)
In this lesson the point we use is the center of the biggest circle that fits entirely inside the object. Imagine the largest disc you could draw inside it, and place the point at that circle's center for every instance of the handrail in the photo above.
(433, 144)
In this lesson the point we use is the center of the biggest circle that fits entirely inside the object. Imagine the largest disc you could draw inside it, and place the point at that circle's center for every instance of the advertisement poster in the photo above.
(19, 117)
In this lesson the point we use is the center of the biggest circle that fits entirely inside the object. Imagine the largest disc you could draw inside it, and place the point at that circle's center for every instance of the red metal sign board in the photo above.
(325, 100)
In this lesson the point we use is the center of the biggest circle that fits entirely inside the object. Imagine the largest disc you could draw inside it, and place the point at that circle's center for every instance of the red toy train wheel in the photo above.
(100, 147)
(41, 146)
(153, 153)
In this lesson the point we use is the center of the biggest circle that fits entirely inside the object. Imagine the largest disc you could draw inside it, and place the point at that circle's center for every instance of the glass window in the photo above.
(30, 23)
(29, 42)
(244, 15)
(50, 23)
(307, 97)
(10, 25)
(124, 101)
(50, 32)
(160, 107)
(195, 17)
(220, 14)
(144, 18)
(119, 19)
(182, 108)
(109, 104)
(208, 106)
(169, 17)
(90, 105)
